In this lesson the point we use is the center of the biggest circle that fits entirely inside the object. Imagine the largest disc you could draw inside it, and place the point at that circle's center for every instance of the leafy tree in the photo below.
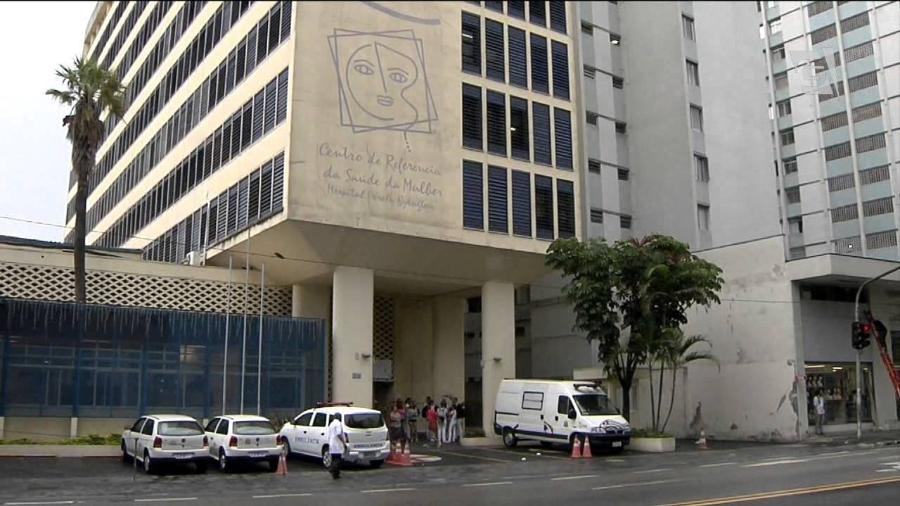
(626, 295)
(89, 91)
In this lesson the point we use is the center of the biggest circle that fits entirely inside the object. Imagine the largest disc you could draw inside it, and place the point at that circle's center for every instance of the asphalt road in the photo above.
(736, 474)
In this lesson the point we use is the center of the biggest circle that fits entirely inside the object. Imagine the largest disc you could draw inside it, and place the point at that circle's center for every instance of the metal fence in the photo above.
(61, 359)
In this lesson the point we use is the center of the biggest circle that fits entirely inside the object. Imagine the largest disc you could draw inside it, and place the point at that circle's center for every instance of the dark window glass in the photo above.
(558, 16)
(281, 109)
(493, 49)
(265, 192)
(471, 43)
(521, 203)
(496, 122)
(269, 120)
(471, 120)
(262, 39)
(518, 59)
(518, 128)
(565, 204)
(497, 207)
(560, 70)
(539, 78)
(494, 6)
(541, 117)
(563, 124)
(473, 199)
(278, 183)
(537, 13)
(516, 9)
(543, 206)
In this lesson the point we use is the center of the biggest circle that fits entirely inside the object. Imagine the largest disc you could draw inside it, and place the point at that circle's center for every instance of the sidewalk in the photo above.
(870, 438)
(61, 451)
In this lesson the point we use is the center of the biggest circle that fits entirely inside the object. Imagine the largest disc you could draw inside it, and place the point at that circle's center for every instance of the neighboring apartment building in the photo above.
(387, 160)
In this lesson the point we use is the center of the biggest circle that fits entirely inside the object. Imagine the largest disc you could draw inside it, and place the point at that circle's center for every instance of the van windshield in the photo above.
(364, 421)
(594, 404)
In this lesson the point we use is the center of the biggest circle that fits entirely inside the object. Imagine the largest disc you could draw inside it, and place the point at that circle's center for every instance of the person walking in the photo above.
(337, 441)
(819, 406)
(397, 421)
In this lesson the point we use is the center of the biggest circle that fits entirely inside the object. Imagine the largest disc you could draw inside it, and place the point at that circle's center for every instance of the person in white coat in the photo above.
(452, 424)
(337, 440)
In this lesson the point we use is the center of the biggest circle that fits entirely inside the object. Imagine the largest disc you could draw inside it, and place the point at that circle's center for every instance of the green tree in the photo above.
(624, 296)
(89, 91)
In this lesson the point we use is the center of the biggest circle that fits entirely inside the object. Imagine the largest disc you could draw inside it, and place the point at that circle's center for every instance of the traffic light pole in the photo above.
(859, 352)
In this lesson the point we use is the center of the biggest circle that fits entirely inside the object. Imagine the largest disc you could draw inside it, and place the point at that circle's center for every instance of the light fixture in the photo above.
(366, 356)
(512, 129)
(818, 366)
(497, 359)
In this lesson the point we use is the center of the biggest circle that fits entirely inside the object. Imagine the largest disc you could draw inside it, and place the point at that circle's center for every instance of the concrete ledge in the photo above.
(652, 444)
(62, 451)
(481, 442)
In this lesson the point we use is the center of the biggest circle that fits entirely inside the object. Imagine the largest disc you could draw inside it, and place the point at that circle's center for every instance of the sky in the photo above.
(34, 152)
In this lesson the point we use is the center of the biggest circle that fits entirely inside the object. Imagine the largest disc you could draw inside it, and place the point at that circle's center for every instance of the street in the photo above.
(731, 473)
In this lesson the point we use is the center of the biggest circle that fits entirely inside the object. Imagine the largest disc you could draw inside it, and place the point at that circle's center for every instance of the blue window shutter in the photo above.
(518, 128)
(516, 9)
(539, 79)
(281, 110)
(471, 117)
(471, 43)
(473, 198)
(496, 122)
(265, 191)
(543, 206)
(278, 183)
(541, 118)
(565, 208)
(563, 124)
(558, 16)
(537, 13)
(518, 59)
(560, 70)
(495, 56)
(498, 220)
(521, 203)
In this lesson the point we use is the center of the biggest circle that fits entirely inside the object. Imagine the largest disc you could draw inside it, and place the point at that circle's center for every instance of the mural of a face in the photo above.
(378, 77)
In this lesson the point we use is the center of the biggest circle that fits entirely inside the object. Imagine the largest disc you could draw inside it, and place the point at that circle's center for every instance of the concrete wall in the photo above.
(414, 349)
(36, 428)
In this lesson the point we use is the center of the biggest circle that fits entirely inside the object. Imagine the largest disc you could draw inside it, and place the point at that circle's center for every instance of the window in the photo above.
(496, 122)
(596, 215)
(558, 16)
(591, 117)
(882, 240)
(590, 72)
(471, 116)
(787, 137)
(563, 402)
(565, 208)
(781, 81)
(516, 9)
(494, 54)
(799, 251)
(518, 65)
(846, 246)
(539, 73)
(870, 143)
(587, 29)
(878, 206)
(838, 183)
(817, 8)
(790, 165)
(518, 128)
(823, 34)
(837, 151)
(563, 130)
(494, 6)
(874, 175)
(147, 430)
(834, 121)
(473, 198)
(537, 13)
(865, 112)
(852, 23)
(543, 206)
(778, 53)
(792, 195)
(784, 108)
(621, 127)
(497, 206)
(795, 226)
(702, 217)
(533, 400)
(625, 221)
(687, 27)
(471, 43)
(858, 52)
(623, 174)
(560, 70)
(521, 203)
(861, 82)
(615, 39)
(541, 122)
(618, 83)
(223, 427)
(321, 420)
(701, 165)
(775, 26)
(693, 73)
(696, 118)
(593, 165)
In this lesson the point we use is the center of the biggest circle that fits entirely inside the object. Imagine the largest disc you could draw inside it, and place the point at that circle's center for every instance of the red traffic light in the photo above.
(866, 328)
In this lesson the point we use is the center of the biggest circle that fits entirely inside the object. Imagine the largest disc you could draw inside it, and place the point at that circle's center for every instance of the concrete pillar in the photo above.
(73, 427)
(498, 344)
(352, 319)
(413, 349)
(449, 371)
(2, 427)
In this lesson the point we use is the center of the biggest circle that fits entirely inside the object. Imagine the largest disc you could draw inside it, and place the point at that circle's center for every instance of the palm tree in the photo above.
(677, 354)
(89, 90)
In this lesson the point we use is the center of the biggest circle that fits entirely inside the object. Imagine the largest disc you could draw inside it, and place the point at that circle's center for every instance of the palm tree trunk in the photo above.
(662, 373)
(672, 398)
(652, 396)
(79, 235)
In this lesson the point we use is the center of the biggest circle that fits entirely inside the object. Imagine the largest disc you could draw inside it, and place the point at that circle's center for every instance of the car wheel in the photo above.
(509, 438)
(201, 466)
(148, 463)
(375, 464)
(326, 458)
(223, 461)
(125, 457)
(287, 449)
(273, 465)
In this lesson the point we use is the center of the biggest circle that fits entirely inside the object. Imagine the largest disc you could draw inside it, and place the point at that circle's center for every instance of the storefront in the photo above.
(836, 382)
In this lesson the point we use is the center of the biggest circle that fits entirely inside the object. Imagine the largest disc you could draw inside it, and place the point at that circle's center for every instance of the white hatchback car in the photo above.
(154, 439)
(307, 434)
(247, 438)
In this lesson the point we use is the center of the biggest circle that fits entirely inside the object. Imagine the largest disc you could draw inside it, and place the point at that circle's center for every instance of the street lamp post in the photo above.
(859, 352)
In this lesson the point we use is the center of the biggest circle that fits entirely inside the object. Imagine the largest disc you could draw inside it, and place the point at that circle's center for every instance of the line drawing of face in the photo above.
(378, 77)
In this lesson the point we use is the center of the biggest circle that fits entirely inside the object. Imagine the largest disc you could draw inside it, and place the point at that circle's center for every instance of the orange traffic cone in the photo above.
(701, 443)
(406, 458)
(282, 466)
(586, 450)
(576, 448)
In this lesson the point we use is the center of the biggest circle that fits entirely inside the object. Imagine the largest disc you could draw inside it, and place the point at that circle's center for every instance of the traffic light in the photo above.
(861, 334)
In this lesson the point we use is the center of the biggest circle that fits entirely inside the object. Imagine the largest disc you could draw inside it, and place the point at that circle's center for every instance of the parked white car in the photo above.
(247, 438)
(369, 444)
(154, 439)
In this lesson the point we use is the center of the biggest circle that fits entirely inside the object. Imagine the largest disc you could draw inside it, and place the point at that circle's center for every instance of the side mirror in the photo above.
(572, 414)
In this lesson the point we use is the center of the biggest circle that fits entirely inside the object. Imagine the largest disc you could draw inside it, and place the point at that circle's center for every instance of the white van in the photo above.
(556, 411)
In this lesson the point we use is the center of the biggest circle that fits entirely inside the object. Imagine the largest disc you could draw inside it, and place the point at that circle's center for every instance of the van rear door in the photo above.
(532, 411)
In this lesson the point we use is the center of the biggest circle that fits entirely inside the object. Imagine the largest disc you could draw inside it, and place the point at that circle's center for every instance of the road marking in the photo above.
(651, 471)
(719, 464)
(466, 455)
(615, 460)
(274, 496)
(777, 462)
(491, 484)
(38, 502)
(380, 490)
(831, 453)
(161, 499)
(519, 454)
(638, 484)
(562, 478)
(786, 493)
(895, 466)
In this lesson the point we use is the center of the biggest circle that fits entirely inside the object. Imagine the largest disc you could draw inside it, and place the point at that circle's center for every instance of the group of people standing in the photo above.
(443, 422)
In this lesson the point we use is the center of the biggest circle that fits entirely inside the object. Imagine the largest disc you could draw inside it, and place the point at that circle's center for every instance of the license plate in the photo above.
(616, 444)
(368, 455)
(181, 456)
(257, 454)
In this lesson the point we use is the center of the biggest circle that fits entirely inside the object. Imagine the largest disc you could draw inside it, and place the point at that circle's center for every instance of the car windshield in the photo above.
(184, 428)
(364, 421)
(594, 404)
(254, 428)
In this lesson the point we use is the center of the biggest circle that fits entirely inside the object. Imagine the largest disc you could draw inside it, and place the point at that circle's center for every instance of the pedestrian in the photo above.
(412, 416)
(461, 418)
(397, 421)
(451, 421)
(819, 406)
(337, 440)
(442, 422)
(432, 417)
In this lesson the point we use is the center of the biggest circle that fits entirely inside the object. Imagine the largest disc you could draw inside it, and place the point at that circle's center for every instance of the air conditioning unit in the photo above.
(193, 258)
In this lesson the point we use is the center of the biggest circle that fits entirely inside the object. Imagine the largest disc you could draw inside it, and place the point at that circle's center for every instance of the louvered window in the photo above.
(852, 23)
(278, 183)
(560, 70)
(253, 208)
(269, 120)
(838, 183)
(844, 213)
(837, 151)
(864, 81)
(874, 175)
(593, 165)
(286, 14)
(541, 119)
(518, 128)
(848, 245)
(262, 40)
(274, 27)
(870, 143)
(222, 217)
(521, 203)
(558, 16)
(625, 221)
(516, 9)
(232, 210)
(243, 203)
(494, 54)
(496, 122)
(858, 52)
(473, 197)
(563, 130)
(265, 190)
(833, 90)
(543, 206)
(790, 165)
(226, 142)
(471, 117)
(834, 121)
(817, 8)
(881, 240)
(247, 124)
(494, 5)
(281, 107)
(235, 134)
(251, 50)
(539, 79)
(823, 34)
(565, 204)
(518, 64)
(497, 204)
(537, 13)
(792, 195)
(865, 112)
(596, 215)
(258, 114)
(471, 43)
(878, 206)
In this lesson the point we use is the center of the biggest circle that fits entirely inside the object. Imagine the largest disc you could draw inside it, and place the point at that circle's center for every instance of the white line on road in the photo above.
(562, 478)
(615, 460)
(491, 484)
(638, 484)
(38, 502)
(651, 471)
(275, 496)
(719, 464)
(167, 499)
(831, 453)
(777, 462)
(380, 490)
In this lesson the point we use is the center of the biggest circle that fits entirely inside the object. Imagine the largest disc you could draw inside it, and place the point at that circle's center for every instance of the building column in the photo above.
(352, 322)
(498, 345)
(449, 373)
(313, 302)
